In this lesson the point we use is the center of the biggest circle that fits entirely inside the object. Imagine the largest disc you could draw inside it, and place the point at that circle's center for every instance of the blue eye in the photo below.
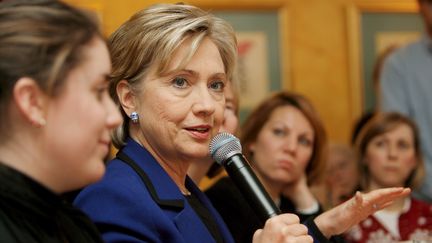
(179, 82)
(217, 85)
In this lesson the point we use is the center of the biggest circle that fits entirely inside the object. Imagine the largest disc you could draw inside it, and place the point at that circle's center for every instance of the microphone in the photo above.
(226, 150)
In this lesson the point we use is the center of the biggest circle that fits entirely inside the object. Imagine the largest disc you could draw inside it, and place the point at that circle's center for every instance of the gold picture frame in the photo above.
(354, 11)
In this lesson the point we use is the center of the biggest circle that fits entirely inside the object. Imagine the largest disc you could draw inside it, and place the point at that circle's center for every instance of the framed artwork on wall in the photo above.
(376, 28)
(382, 33)
(258, 67)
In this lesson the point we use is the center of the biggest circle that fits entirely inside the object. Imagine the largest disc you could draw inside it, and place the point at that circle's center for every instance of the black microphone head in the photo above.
(223, 146)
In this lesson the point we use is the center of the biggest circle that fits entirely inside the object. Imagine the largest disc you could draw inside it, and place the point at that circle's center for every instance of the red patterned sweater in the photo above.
(415, 223)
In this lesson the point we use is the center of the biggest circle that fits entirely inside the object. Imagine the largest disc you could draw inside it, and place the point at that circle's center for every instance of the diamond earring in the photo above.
(134, 117)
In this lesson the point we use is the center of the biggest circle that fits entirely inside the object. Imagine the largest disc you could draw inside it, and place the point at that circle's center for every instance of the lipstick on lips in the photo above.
(200, 131)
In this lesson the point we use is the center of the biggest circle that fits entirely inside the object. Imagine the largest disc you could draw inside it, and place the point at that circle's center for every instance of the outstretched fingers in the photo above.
(381, 198)
(341, 218)
(368, 203)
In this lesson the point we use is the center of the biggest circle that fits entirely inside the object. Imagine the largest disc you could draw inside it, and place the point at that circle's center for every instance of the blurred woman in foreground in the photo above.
(56, 119)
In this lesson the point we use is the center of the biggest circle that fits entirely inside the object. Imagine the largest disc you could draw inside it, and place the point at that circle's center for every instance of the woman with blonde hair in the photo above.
(171, 63)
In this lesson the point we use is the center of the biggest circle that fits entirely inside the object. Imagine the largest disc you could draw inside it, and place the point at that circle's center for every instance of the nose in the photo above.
(290, 144)
(392, 151)
(204, 103)
(113, 118)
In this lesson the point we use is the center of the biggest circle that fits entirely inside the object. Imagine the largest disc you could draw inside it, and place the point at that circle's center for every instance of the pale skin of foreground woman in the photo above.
(57, 116)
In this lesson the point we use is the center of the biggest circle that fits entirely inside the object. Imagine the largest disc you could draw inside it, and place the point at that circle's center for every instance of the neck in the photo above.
(198, 170)
(396, 206)
(273, 190)
(178, 172)
(25, 156)
(174, 166)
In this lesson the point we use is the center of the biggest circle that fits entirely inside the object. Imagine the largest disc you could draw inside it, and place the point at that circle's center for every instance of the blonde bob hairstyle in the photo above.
(260, 116)
(152, 35)
(382, 123)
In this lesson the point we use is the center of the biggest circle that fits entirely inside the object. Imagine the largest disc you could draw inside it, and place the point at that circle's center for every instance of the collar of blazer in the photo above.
(147, 182)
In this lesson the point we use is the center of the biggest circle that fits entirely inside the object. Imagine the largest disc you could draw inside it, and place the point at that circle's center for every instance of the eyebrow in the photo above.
(196, 74)
(280, 122)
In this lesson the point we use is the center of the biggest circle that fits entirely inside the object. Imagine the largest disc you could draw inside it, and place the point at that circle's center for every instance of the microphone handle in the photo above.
(249, 185)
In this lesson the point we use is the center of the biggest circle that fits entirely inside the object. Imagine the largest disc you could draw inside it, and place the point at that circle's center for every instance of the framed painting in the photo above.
(376, 28)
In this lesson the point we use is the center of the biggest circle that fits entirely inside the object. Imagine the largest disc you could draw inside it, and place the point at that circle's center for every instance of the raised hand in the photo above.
(300, 194)
(341, 218)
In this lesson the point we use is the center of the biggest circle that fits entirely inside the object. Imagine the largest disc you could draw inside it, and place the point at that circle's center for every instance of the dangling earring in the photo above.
(134, 117)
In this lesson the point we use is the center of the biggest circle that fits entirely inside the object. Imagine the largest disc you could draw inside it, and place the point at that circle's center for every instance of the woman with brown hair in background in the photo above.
(283, 138)
(388, 149)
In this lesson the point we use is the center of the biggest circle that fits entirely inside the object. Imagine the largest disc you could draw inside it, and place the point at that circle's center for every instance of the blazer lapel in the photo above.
(167, 195)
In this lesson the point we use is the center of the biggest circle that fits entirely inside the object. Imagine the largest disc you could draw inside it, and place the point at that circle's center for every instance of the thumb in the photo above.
(257, 236)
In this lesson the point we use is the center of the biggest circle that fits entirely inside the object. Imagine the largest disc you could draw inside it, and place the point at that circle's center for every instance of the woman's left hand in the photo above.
(341, 218)
(300, 194)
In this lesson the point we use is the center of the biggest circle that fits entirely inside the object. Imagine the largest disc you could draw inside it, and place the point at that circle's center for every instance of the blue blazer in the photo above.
(127, 208)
